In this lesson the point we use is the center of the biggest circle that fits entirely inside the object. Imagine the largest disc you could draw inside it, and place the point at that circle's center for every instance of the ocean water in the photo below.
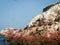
(2, 42)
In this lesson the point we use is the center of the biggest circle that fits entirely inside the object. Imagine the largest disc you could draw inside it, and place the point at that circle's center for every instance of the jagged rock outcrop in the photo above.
(43, 29)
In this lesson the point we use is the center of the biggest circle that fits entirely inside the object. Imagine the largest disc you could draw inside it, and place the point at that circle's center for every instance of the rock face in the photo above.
(43, 29)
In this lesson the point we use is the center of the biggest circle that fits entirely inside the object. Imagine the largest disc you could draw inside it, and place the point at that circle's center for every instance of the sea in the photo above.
(2, 41)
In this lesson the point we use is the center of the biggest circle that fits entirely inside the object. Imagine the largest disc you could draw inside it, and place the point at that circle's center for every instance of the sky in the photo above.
(18, 13)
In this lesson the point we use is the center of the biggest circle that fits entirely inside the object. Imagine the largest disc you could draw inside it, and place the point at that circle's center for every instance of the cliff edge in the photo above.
(43, 29)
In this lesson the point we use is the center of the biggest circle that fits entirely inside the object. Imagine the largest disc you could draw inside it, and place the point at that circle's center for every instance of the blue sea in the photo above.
(2, 42)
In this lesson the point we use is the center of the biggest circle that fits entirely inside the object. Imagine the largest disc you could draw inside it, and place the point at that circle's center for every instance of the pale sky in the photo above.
(18, 13)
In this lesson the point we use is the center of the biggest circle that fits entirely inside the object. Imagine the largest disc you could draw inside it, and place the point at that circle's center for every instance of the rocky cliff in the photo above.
(43, 29)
